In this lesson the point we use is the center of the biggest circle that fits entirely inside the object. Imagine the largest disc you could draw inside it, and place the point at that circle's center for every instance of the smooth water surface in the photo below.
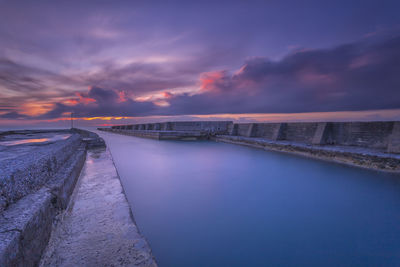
(214, 204)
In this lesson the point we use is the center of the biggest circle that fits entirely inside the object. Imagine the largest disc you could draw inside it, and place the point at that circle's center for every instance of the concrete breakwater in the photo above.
(97, 228)
(373, 145)
(182, 130)
(38, 173)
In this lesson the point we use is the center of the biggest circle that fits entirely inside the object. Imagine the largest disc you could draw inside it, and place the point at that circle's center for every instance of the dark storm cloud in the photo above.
(13, 115)
(141, 77)
(28, 84)
(357, 76)
(21, 78)
(103, 103)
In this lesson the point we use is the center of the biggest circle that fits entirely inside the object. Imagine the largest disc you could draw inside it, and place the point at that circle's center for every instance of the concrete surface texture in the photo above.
(179, 130)
(39, 170)
(375, 135)
(29, 160)
(383, 136)
(98, 229)
(206, 126)
(26, 224)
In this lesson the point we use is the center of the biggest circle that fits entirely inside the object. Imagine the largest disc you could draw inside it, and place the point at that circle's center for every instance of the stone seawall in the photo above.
(98, 228)
(37, 179)
(375, 135)
(384, 136)
(23, 175)
(373, 145)
(182, 130)
(355, 156)
(161, 135)
(218, 127)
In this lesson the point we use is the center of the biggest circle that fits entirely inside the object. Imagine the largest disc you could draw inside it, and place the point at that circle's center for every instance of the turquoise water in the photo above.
(214, 204)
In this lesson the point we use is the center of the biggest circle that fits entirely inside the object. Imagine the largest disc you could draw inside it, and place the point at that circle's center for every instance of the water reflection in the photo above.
(35, 140)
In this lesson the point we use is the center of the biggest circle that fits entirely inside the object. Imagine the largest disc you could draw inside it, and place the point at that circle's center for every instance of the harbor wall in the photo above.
(179, 130)
(22, 176)
(360, 158)
(217, 127)
(374, 145)
(35, 188)
(375, 135)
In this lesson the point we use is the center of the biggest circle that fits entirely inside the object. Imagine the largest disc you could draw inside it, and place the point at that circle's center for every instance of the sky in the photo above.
(113, 62)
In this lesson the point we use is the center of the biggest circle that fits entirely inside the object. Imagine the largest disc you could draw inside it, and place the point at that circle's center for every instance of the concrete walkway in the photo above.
(97, 229)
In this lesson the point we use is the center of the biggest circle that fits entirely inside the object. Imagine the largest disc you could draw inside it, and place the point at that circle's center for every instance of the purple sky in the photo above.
(144, 58)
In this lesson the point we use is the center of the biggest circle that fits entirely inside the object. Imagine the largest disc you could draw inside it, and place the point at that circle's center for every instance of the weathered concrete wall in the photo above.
(242, 129)
(37, 189)
(92, 140)
(90, 234)
(300, 132)
(220, 127)
(394, 139)
(22, 176)
(25, 225)
(268, 130)
(349, 155)
(137, 133)
(217, 127)
(364, 134)
(321, 133)
(375, 135)
(161, 135)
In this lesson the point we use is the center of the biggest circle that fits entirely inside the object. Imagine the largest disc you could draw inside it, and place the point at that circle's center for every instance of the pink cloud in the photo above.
(122, 96)
(210, 81)
(84, 99)
(167, 95)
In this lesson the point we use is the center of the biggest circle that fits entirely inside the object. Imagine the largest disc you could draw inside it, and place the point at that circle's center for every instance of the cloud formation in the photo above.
(358, 76)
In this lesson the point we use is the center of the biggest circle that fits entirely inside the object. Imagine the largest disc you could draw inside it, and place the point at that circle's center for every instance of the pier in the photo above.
(374, 145)
(44, 197)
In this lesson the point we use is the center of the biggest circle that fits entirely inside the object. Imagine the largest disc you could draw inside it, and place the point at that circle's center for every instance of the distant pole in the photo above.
(72, 120)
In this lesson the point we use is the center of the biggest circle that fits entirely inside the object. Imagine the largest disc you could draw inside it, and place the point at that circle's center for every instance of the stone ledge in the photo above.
(25, 226)
(354, 156)
(26, 174)
(30, 221)
(94, 232)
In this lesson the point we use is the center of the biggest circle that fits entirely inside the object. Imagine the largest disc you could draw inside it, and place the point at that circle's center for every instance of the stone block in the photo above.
(394, 139)
(252, 131)
(234, 130)
(29, 222)
(320, 134)
(280, 132)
